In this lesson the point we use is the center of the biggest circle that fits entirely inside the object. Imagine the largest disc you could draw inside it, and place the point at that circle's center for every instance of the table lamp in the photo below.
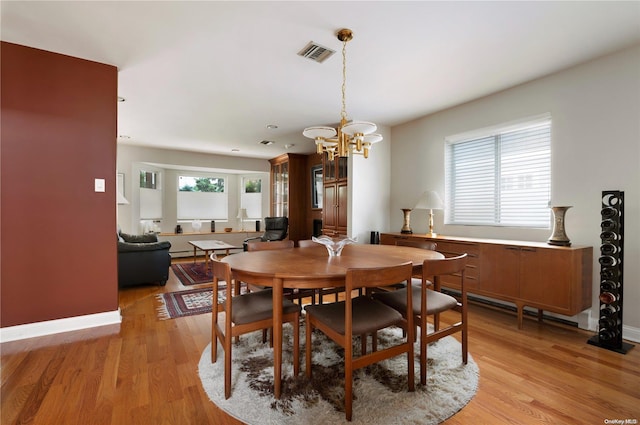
(430, 200)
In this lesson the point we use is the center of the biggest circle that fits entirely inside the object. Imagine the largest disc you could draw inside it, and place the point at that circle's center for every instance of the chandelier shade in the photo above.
(351, 137)
(319, 132)
(359, 127)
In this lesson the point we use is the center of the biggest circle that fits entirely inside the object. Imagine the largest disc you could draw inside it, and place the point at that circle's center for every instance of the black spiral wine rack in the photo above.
(611, 273)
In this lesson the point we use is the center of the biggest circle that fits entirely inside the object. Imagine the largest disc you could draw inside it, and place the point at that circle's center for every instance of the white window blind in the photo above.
(500, 177)
(202, 206)
(202, 197)
(251, 197)
(150, 195)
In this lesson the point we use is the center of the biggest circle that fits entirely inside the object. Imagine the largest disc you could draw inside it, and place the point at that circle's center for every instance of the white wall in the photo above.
(595, 110)
(129, 161)
(369, 190)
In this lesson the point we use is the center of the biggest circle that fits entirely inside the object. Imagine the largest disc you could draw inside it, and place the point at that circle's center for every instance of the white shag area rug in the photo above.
(380, 391)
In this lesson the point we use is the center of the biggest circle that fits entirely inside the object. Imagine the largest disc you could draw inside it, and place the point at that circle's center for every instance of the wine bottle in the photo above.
(609, 273)
(609, 322)
(608, 261)
(608, 225)
(609, 310)
(609, 285)
(609, 212)
(609, 297)
(608, 237)
(609, 249)
(608, 333)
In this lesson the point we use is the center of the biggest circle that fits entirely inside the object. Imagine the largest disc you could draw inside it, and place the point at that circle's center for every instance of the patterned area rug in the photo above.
(185, 303)
(189, 303)
(380, 390)
(191, 273)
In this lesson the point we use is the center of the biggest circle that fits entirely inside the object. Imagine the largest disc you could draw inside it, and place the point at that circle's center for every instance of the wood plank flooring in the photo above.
(144, 371)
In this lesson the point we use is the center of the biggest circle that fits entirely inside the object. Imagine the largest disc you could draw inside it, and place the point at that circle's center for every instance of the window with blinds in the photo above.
(500, 176)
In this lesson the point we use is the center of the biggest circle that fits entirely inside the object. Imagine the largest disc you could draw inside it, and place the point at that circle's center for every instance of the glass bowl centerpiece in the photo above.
(334, 245)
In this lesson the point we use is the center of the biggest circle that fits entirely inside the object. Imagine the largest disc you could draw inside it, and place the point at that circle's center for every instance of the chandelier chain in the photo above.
(343, 113)
(356, 137)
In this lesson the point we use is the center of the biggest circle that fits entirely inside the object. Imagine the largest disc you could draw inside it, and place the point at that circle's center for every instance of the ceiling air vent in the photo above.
(316, 52)
(267, 142)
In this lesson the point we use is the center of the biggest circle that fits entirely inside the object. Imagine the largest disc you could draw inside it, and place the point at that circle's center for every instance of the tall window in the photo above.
(251, 197)
(150, 195)
(500, 176)
(201, 197)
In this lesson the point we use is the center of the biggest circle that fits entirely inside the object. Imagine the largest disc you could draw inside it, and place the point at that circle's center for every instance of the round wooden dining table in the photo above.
(312, 268)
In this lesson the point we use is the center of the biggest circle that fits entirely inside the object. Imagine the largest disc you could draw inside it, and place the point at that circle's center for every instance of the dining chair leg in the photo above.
(296, 345)
(309, 330)
(214, 341)
(410, 365)
(464, 337)
(348, 380)
(227, 366)
(423, 349)
(374, 341)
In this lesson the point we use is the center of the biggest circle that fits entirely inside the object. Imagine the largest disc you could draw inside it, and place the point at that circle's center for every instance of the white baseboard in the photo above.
(630, 333)
(31, 330)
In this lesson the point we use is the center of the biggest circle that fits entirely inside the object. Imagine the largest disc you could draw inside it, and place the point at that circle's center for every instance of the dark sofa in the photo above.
(142, 259)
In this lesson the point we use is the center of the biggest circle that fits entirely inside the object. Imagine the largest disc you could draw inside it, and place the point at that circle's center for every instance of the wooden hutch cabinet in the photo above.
(533, 274)
(334, 212)
(289, 192)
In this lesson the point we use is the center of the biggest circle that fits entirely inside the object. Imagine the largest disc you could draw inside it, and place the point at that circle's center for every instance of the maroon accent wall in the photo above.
(58, 254)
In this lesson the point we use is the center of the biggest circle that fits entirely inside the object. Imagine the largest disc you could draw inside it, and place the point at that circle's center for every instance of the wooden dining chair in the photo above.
(417, 279)
(428, 245)
(361, 316)
(246, 313)
(320, 293)
(428, 302)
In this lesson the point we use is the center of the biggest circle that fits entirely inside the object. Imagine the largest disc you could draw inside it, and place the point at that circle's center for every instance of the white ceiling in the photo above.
(210, 76)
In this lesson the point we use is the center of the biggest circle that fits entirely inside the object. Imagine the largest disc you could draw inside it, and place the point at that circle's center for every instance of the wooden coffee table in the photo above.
(210, 246)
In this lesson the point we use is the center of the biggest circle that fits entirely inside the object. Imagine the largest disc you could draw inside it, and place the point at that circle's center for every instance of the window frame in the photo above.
(496, 210)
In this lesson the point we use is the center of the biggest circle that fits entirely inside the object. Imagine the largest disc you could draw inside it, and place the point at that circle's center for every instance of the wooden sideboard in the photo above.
(533, 274)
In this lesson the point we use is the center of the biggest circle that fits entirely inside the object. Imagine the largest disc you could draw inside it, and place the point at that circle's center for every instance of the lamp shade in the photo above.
(120, 199)
(242, 213)
(429, 200)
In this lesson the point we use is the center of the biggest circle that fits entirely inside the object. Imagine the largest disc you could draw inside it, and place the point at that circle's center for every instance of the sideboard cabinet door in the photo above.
(500, 270)
(545, 278)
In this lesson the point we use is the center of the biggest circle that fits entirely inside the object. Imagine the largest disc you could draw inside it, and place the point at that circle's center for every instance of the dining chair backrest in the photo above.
(264, 246)
(376, 277)
(444, 266)
(431, 246)
(221, 272)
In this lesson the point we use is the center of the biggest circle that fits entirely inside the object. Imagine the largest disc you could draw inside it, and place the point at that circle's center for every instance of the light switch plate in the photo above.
(99, 185)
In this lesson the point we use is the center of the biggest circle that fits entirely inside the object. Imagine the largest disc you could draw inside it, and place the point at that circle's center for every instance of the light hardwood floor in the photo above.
(145, 372)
